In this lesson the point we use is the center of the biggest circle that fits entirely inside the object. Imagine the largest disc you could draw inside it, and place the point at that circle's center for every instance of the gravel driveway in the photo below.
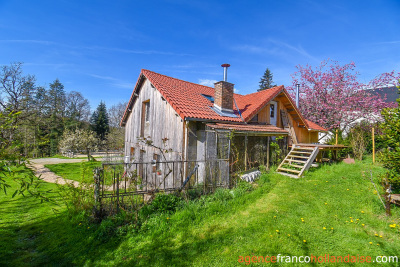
(37, 165)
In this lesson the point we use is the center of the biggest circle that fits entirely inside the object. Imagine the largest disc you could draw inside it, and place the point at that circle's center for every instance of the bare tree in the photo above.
(116, 136)
(115, 114)
(77, 107)
(14, 87)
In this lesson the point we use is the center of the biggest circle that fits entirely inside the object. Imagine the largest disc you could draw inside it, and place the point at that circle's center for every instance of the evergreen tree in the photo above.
(99, 121)
(57, 110)
(266, 80)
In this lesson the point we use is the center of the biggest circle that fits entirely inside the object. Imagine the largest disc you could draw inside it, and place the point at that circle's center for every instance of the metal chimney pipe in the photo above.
(297, 95)
(225, 66)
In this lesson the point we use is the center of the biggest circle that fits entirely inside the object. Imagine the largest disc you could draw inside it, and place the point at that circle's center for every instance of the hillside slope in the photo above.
(332, 210)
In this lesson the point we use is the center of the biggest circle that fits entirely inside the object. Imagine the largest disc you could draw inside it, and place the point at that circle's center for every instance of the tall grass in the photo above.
(333, 209)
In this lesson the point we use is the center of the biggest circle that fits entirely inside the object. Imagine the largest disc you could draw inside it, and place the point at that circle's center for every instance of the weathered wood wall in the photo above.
(164, 123)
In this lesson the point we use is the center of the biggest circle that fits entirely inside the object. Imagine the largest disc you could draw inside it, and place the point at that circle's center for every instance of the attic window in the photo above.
(210, 98)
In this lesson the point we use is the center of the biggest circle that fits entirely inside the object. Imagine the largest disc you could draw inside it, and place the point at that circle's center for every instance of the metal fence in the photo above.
(127, 186)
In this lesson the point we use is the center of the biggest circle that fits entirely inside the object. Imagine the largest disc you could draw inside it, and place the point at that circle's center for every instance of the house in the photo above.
(388, 94)
(197, 123)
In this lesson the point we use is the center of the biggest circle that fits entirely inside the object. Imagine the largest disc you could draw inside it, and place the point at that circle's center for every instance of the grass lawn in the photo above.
(77, 171)
(332, 210)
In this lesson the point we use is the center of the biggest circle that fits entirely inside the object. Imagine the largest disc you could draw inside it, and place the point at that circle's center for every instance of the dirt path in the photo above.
(37, 165)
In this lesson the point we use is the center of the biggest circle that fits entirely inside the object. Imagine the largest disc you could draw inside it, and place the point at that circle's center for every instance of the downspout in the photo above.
(237, 108)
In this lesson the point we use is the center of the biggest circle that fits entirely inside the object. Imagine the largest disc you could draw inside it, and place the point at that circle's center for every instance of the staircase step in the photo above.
(303, 148)
(296, 166)
(299, 161)
(288, 170)
(295, 156)
(307, 153)
(288, 174)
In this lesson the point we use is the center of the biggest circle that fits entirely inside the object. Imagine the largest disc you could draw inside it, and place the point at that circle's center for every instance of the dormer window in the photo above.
(210, 98)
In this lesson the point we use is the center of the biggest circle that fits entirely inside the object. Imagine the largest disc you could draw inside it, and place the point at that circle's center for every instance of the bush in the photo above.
(162, 203)
(390, 157)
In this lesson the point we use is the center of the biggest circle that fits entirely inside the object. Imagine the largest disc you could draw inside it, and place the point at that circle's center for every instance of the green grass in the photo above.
(78, 171)
(58, 156)
(217, 229)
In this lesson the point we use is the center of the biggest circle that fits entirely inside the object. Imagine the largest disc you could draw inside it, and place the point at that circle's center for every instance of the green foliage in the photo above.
(99, 121)
(43, 113)
(390, 157)
(11, 168)
(8, 144)
(275, 150)
(162, 203)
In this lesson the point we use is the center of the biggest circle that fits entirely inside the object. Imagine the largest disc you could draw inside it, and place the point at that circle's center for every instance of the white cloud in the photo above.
(207, 82)
(114, 81)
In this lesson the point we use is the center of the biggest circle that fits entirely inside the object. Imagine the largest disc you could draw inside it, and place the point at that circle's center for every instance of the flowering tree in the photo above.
(332, 96)
(79, 140)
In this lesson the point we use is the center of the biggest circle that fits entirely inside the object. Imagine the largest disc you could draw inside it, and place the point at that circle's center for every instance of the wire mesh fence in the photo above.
(128, 186)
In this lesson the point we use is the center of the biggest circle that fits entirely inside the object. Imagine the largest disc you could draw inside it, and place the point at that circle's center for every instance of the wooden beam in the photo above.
(373, 145)
(245, 152)
(267, 152)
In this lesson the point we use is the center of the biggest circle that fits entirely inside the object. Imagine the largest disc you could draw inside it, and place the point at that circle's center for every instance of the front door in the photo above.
(273, 113)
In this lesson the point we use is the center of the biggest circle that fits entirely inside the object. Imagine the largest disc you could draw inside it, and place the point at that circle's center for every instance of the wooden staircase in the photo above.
(298, 161)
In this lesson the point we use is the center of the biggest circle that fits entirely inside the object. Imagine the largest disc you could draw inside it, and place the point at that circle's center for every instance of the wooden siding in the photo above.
(164, 122)
(303, 135)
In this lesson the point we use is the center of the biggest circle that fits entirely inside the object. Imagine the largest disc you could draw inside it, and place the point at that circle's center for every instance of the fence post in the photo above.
(97, 199)
(117, 177)
(373, 145)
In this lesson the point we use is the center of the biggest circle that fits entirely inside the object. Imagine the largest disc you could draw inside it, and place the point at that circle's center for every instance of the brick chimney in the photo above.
(223, 96)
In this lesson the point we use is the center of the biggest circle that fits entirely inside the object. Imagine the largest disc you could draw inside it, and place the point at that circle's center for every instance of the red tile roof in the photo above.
(187, 100)
(313, 126)
(248, 128)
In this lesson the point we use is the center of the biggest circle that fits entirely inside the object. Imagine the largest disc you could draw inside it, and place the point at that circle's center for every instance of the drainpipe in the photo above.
(297, 95)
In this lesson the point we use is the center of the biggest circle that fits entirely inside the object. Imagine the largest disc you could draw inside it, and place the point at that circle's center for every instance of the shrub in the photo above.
(390, 157)
(162, 203)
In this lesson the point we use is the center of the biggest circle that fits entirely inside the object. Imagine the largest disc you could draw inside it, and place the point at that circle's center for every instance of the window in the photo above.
(132, 154)
(145, 116)
(254, 119)
(156, 162)
(272, 109)
(146, 111)
(208, 97)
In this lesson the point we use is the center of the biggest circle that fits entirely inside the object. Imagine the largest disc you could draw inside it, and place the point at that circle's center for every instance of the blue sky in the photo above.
(99, 47)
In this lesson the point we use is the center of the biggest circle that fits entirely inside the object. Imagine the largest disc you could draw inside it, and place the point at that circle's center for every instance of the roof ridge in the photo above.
(183, 80)
(177, 79)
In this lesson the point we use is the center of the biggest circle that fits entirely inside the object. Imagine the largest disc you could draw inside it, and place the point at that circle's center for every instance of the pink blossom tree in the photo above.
(332, 96)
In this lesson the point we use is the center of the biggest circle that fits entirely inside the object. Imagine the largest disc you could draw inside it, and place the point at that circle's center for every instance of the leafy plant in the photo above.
(162, 203)
(390, 157)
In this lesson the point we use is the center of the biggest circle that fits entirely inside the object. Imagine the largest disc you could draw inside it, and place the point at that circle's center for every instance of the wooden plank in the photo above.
(298, 161)
(310, 161)
(263, 115)
(289, 170)
(288, 174)
(294, 156)
(302, 152)
(303, 148)
(296, 166)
